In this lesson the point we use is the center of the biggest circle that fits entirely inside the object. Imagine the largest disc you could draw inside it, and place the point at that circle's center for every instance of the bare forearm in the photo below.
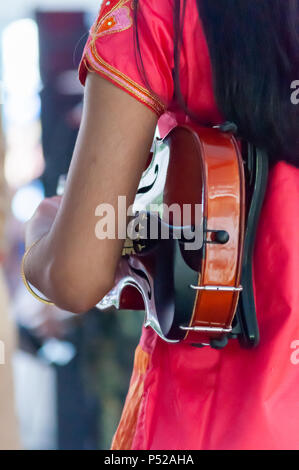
(58, 283)
(70, 265)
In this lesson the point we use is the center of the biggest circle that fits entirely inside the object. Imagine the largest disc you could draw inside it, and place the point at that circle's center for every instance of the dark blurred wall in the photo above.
(61, 40)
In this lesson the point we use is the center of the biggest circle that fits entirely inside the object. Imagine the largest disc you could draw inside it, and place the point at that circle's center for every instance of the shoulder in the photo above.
(121, 9)
(153, 19)
(112, 50)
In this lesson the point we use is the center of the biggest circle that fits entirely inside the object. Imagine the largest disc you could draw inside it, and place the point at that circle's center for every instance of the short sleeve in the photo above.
(111, 50)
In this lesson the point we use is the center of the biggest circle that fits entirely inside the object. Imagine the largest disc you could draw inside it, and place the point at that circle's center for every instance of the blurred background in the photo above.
(63, 378)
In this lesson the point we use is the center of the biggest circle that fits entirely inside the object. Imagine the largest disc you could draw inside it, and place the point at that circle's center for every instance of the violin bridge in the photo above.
(130, 248)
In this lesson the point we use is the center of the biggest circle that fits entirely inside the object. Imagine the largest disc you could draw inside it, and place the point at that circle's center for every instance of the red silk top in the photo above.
(182, 397)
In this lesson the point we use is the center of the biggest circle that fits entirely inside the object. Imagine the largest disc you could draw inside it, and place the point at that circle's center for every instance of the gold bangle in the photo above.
(28, 287)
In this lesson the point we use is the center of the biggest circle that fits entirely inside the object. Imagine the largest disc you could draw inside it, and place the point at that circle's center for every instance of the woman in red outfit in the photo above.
(171, 62)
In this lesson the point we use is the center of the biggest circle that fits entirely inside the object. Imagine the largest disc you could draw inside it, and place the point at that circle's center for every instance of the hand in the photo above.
(42, 220)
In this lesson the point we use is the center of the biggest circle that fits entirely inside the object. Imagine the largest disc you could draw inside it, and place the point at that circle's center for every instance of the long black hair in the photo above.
(254, 49)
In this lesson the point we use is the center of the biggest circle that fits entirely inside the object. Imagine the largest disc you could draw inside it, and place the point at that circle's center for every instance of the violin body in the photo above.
(189, 293)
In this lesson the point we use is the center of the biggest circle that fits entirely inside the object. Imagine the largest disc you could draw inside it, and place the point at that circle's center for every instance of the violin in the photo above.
(193, 278)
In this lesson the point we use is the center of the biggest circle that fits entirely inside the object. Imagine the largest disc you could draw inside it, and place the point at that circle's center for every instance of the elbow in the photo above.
(74, 293)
